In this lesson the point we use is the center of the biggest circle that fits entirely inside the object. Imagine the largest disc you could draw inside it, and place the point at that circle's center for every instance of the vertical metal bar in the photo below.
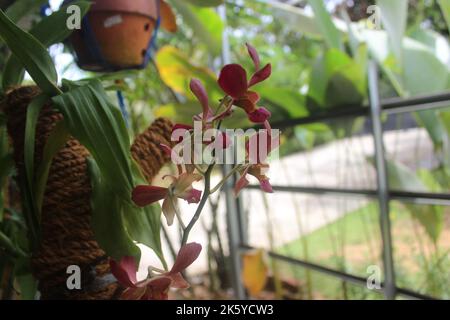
(382, 182)
(232, 206)
(234, 239)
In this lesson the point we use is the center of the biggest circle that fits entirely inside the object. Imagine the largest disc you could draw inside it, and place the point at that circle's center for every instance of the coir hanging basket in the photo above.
(66, 234)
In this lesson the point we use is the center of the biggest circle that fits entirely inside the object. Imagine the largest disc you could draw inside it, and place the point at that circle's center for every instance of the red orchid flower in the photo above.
(200, 92)
(257, 158)
(258, 171)
(155, 288)
(181, 187)
(233, 81)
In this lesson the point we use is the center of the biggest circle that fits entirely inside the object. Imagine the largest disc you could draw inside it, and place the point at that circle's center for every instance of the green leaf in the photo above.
(99, 126)
(445, 7)
(31, 53)
(298, 19)
(6, 164)
(48, 31)
(436, 42)
(57, 139)
(28, 286)
(144, 224)
(430, 217)
(338, 80)
(177, 71)
(430, 120)
(287, 99)
(206, 3)
(394, 15)
(21, 8)
(423, 72)
(204, 22)
(10, 247)
(107, 222)
(32, 117)
(326, 25)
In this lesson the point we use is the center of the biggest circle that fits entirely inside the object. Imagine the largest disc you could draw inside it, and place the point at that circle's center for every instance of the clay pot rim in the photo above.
(146, 8)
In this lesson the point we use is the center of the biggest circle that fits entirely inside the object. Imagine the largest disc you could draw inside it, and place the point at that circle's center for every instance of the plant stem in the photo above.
(222, 182)
(201, 205)
(6, 243)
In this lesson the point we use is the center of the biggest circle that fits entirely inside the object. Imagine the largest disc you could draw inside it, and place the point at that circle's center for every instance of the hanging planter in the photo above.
(67, 237)
(119, 34)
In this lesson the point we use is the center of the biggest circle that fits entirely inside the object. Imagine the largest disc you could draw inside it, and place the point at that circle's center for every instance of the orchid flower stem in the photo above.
(222, 182)
(201, 205)
(156, 269)
(199, 170)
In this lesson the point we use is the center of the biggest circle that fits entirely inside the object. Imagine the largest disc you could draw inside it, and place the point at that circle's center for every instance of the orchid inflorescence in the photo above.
(236, 86)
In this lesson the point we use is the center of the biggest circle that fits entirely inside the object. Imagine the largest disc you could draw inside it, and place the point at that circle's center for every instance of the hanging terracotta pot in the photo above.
(118, 34)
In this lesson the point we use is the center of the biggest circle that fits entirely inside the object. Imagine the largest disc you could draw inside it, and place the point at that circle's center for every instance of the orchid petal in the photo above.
(261, 75)
(190, 168)
(254, 55)
(199, 91)
(248, 101)
(260, 115)
(181, 135)
(184, 182)
(182, 126)
(133, 293)
(157, 288)
(178, 282)
(167, 150)
(145, 195)
(169, 209)
(191, 195)
(124, 271)
(186, 256)
(241, 183)
(233, 80)
(259, 172)
(266, 186)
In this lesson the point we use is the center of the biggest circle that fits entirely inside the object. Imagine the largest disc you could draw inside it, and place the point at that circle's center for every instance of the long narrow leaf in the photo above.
(48, 31)
(107, 221)
(100, 127)
(144, 224)
(326, 25)
(394, 15)
(32, 117)
(206, 3)
(55, 142)
(31, 54)
(205, 23)
(445, 7)
(21, 8)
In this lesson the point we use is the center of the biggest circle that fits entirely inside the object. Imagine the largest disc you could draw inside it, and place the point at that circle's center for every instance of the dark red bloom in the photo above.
(234, 82)
(155, 288)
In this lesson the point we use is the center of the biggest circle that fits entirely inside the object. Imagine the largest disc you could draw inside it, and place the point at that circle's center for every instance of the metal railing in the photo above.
(382, 193)
(236, 227)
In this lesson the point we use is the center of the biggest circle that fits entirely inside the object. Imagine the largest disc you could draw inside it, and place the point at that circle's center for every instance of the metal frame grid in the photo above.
(376, 108)
(383, 194)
